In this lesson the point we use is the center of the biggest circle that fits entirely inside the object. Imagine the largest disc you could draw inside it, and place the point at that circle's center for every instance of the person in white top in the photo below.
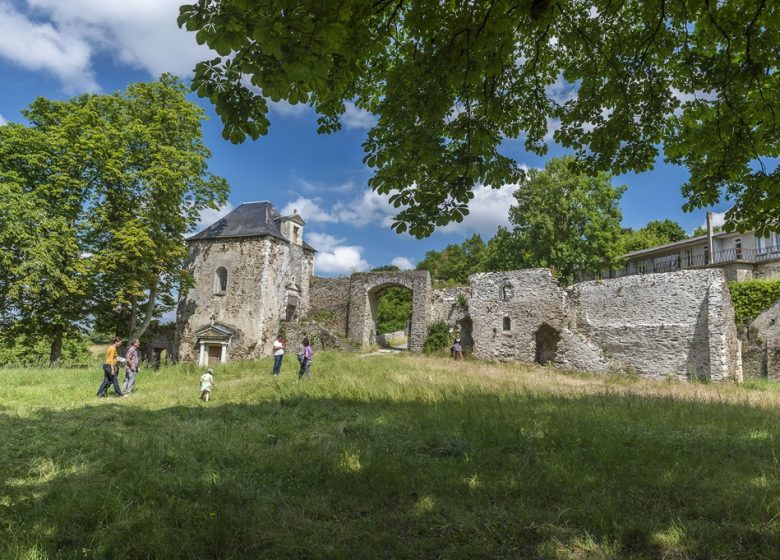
(206, 384)
(278, 355)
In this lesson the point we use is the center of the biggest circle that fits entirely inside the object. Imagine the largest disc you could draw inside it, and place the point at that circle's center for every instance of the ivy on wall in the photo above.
(753, 296)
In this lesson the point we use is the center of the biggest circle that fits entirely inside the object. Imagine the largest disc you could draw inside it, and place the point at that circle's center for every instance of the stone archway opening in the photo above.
(464, 328)
(391, 316)
(547, 339)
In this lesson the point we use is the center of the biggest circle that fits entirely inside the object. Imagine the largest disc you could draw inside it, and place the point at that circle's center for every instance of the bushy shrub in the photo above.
(438, 337)
(26, 351)
(752, 297)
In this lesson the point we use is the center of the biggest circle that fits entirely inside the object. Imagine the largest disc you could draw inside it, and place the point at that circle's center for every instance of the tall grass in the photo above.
(397, 456)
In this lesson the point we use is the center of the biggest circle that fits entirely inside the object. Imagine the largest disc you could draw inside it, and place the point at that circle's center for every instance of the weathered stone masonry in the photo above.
(253, 274)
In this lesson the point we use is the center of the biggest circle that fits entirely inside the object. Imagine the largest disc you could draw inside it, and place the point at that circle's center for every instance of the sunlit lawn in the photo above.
(387, 457)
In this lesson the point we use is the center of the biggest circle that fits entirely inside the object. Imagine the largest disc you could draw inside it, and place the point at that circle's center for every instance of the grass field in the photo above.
(395, 456)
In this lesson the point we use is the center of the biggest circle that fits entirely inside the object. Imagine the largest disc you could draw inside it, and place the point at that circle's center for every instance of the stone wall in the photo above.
(761, 344)
(329, 302)
(767, 270)
(677, 324)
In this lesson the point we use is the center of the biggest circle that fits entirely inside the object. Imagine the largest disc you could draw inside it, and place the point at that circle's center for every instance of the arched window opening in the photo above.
(507, 324)
(220, 280)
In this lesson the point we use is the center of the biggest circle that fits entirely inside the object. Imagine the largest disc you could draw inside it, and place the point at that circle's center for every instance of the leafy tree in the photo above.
(394, 309)
(653, 234)
(564, 221)
(455, 262)
(450, 81)
(702, 230)
(97, 194)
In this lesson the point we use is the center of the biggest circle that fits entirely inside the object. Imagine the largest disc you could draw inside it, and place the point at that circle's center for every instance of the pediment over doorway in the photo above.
(215, 332)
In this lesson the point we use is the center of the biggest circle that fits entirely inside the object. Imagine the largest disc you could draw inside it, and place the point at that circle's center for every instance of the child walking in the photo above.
(206, 384)
(305, 357)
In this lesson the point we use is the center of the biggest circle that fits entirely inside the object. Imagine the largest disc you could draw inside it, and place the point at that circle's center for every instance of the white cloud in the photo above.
(404, 263)
(286, 109)
(314, 186)
(355, 117)
(334, 258)
(369, 208)
(310, 209)
(487, 210)
(44, 47)
(340, 260)
(3, 121)
(323, 241)
(718, 219)
(210, 215)
(63, 38)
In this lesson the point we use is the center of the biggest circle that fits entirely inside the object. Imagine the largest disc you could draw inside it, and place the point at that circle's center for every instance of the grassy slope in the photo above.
(387, 457)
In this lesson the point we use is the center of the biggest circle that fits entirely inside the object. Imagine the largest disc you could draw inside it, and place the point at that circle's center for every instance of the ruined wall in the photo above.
(534, 299)
(260, 271)
(329, 302)
(446, 304)
(679, 324)
(761, 344)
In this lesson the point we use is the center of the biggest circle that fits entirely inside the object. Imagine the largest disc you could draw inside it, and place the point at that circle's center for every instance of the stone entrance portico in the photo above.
(213, 342)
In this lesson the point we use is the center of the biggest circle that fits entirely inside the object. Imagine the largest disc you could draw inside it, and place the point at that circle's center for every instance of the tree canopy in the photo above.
(656, 232)
(564, 221)
(96, 195)
(449, 82)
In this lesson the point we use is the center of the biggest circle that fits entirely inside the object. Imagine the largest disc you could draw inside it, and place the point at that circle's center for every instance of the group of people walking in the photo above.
(131, 361)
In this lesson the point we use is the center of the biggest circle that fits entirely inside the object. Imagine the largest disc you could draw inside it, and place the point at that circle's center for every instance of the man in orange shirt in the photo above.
(109, 370)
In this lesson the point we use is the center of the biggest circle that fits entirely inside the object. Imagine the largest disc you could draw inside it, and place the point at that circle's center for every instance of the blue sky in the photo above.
(60, 48)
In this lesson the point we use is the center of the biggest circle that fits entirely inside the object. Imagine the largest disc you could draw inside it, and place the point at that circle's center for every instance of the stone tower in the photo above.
(250, 270)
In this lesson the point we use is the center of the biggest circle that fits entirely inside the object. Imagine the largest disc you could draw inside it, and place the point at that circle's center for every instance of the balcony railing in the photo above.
(683, 261)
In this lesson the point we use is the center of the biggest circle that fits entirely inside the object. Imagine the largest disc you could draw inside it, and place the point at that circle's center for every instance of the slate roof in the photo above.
(251, 219)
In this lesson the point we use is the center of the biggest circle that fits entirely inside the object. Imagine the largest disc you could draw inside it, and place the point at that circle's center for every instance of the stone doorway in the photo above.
(547, 339)
(391, 312)
(464, 329)
(365, 287)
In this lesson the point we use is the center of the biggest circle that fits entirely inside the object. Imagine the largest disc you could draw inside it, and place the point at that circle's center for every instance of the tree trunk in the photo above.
(56, 347)
(149, 306)
(133, 318)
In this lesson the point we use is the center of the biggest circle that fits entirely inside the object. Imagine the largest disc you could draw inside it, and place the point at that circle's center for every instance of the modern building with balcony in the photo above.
(742, 256)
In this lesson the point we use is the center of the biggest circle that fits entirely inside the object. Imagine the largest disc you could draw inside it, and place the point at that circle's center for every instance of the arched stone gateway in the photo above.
(364, 289)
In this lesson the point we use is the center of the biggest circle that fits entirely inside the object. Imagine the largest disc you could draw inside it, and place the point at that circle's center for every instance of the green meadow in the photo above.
(390, 456)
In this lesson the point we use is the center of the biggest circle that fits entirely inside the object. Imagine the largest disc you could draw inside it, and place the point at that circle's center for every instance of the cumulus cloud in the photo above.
(333, 258)
(404, 263)
(44, 47)
(3, 120)
(355, 117)
(369, 208)
(488, 210)
(210, 215)
(718, 219)
(286, 109)
(310, 209)
(63, 38)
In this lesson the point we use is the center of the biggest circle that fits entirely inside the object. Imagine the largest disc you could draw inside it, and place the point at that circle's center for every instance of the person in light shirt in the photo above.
(278, 355)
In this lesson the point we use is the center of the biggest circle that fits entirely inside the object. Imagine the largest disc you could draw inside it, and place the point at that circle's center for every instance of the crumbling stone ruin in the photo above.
(761, 344)
(252, 278)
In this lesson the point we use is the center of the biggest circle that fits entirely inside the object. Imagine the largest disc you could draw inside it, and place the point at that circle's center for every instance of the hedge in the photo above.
(753, 296)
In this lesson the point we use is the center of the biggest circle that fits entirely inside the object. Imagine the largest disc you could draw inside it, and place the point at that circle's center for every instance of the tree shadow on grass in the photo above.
(479, 475)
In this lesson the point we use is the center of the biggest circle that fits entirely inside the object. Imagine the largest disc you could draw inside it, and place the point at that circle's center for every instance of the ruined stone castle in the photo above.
(252, 276)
